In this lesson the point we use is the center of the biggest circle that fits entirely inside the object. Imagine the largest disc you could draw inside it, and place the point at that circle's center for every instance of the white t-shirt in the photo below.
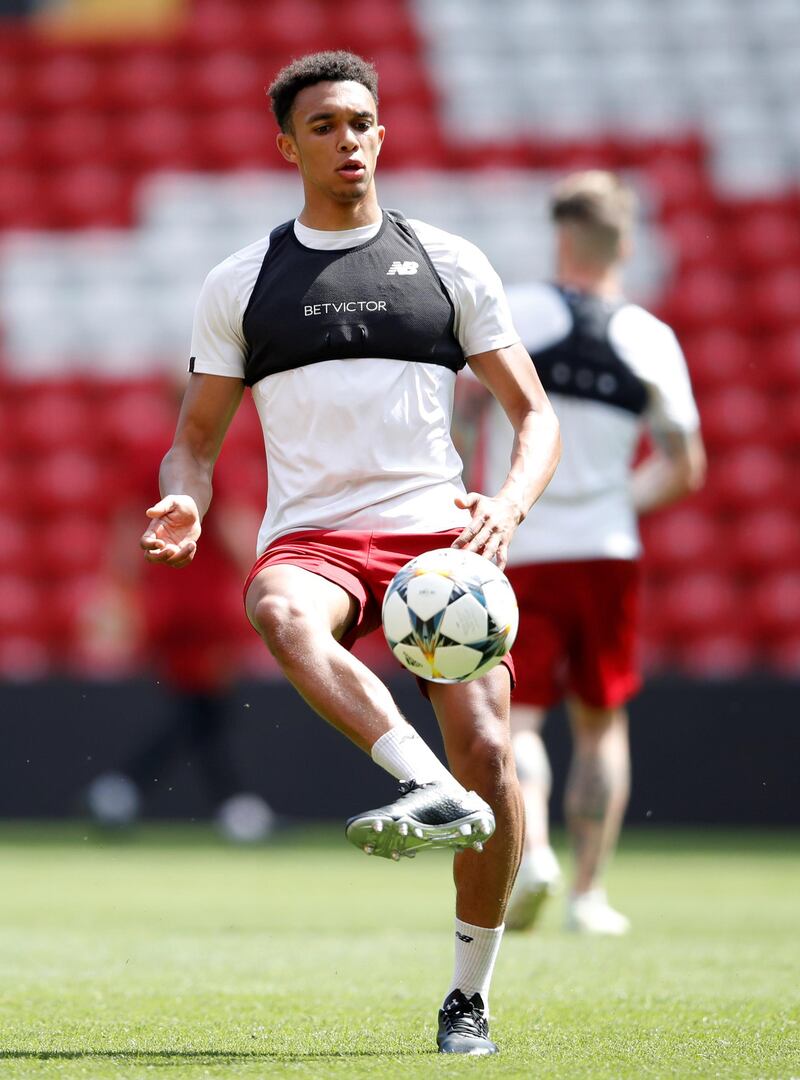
(358, 444)
(586, 511)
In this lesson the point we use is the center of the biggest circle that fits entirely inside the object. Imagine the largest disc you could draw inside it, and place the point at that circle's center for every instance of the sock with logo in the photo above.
(476, 951)
(406, 756)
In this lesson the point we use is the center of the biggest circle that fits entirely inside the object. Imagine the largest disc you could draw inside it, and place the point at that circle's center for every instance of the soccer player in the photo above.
(349, 324)
(609, 366)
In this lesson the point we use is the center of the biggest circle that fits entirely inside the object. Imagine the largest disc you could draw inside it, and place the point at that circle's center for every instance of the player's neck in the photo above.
(604, 282)
(328, 215)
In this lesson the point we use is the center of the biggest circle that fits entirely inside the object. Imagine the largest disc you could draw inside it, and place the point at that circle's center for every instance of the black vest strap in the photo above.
(584, 364)
(380, 299)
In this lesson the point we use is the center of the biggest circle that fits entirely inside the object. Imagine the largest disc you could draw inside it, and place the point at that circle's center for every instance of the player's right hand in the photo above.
(171, 537)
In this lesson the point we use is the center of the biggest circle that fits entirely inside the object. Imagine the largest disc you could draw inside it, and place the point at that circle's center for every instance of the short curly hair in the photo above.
(339, 66)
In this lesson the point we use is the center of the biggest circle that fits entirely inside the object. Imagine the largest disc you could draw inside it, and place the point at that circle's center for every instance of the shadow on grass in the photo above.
(201, 1056)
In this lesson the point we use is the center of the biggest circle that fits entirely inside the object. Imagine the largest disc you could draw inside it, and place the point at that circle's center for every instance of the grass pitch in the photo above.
(174, 955)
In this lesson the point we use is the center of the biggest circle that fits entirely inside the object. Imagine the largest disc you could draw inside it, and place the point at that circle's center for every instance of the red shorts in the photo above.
(362, 563)
(577, 631)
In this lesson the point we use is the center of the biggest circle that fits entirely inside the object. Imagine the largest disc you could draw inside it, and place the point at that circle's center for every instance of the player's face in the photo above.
(335, 140)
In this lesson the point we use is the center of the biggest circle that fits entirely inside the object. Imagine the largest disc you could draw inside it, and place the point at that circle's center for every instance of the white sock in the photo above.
(403, 754)
(476, 951)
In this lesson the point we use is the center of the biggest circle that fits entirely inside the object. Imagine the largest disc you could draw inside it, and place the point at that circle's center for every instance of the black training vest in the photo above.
(584, 363)
(382, 299)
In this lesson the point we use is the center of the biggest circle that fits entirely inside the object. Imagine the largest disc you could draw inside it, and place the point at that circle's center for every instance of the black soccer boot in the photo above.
(429, 815)
(463, 1027)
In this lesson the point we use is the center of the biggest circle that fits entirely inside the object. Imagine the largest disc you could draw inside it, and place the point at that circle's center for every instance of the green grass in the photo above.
(173, 955)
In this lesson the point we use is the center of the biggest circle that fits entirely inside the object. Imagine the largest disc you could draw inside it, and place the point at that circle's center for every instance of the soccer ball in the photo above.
(450, 615)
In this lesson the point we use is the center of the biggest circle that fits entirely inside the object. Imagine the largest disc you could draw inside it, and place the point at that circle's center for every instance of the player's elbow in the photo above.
(689, 474)
(696, 465)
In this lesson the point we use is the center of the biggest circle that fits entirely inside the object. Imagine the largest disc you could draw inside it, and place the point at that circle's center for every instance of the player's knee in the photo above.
(490, 759)
(530, 755)
(278, 619)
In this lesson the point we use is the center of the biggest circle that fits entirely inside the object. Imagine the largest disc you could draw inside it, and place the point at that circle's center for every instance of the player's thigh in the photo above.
(474, 721)
(285, 591)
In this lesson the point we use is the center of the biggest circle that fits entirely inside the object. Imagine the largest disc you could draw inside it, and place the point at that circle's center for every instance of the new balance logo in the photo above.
(403, 268)
(463, 937)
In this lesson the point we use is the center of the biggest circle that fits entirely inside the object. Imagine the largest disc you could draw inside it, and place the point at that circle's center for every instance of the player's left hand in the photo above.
(493, 523)
(172, 534)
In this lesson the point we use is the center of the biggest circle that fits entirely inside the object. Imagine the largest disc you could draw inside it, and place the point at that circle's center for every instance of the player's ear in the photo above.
(381, 130)
(287, 147)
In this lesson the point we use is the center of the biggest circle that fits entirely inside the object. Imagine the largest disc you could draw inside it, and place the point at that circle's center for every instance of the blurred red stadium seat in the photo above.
(141, 78)
(655, 655)
(373, 24)
(23, 609)
(787, 428)
(402, 77)
(701, 298)
(12, 83)
(697, 239)
(224, 79)
(734, 416)
(698, 605)
(720, 356)
(287, 28)
(242, 478)
(63, 80)
(138, 421)
(245, 437)
(23, 199)
(214, 25)
(766, 540)
(780, 358)
(51, 418)
(68, 599)
(765, 239)
(67, 543)
(23, 657)
(74, 137)
(783, 656)
(686, 538)
(775, 605)
(404, 147)
(234, 138)
(679, 182)
(16, 543)
(16, 139)
(67, 480)
(746, 478)
(719, 655)
(90, 194)
(154, 138)
(775, 300)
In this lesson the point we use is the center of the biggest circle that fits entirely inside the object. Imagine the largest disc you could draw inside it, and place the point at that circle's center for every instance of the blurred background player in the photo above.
(608, 366)
(188, 630)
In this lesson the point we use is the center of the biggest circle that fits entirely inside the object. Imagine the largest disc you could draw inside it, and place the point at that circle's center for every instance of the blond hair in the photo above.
(598, 209)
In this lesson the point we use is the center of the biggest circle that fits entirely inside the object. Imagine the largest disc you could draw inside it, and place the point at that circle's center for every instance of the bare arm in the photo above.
(674, 470)
(510, 376)
(209, 405)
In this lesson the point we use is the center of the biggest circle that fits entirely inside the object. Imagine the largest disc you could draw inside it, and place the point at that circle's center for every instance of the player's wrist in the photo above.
(514, 505)
(185, 502)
